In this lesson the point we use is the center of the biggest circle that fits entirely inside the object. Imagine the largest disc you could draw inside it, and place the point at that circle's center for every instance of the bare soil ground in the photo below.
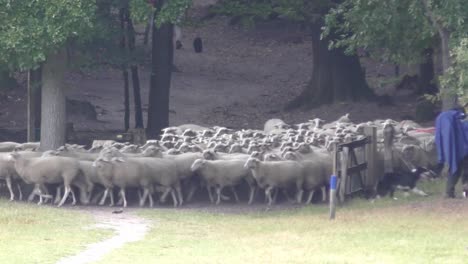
(243, 78)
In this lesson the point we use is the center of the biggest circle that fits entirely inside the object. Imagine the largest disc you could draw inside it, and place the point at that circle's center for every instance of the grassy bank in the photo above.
(410, 230)
(43, 234)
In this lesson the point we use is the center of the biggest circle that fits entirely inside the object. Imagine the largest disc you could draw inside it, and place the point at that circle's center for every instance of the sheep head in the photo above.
(197, 164)
(252, 163)
(210, 154)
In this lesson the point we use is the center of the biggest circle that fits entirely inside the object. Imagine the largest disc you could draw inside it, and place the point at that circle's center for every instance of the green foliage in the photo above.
(396, 31)
(172, 12)
(456, 78)
(30, 30)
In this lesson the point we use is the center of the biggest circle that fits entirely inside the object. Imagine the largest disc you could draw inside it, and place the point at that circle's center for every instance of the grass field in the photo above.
(410, 230)
(43, 234)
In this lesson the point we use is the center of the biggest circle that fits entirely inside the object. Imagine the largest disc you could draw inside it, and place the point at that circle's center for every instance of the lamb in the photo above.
(277, 174)
(220, 174)
(47, 170)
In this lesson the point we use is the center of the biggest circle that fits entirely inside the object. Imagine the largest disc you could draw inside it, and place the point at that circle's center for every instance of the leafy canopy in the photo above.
(30, 30)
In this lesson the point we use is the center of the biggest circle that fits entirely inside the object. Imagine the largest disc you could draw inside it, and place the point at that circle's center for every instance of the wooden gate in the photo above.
(354, 165)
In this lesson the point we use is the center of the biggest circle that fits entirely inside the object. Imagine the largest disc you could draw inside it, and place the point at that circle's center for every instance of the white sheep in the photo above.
(220, 174)
(47, 170)
(277, 174)
(8, 146)
(139, 172)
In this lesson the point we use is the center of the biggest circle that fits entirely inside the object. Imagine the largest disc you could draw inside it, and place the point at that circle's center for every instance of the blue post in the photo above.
(333, 181)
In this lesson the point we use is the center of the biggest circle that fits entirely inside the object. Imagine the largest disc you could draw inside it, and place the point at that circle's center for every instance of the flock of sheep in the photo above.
(293, 160)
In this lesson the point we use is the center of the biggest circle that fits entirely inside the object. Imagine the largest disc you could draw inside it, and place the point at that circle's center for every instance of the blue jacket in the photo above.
(451, 137)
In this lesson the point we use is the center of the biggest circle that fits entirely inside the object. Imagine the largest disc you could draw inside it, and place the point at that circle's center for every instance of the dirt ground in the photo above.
(242, 78)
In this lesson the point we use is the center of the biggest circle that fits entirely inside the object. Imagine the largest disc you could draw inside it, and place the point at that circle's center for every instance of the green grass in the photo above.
(43, 234)
(410, 230)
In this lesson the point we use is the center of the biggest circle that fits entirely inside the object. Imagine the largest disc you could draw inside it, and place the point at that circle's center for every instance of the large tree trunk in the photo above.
(162, 58)
(335, 76)
(53, 101)
(126, 99)
(449, 98)
(34, 103)
(426, 74)
(135, 78)
(123, 19)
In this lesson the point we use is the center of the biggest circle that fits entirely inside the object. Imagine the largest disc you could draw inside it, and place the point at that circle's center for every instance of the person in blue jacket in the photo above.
(452, 147)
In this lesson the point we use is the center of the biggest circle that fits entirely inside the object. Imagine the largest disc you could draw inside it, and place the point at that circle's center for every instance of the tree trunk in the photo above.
(34, 103)
(426, 74)
(160, 83)
(123, 19)
(126, 99)
(335, 76)
(53, 101)
(135, 78)
(449, 98)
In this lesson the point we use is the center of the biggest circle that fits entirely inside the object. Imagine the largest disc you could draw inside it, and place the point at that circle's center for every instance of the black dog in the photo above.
(198, 45)
(403, 181)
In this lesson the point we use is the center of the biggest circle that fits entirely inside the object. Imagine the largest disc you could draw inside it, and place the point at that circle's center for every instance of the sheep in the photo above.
(8, 171)
(281, 174)
(139, 172)
(47, 170)
(220, 174)
(317, 172)
(8, 146)
(80, 155)
(33, 146)
(273, 124)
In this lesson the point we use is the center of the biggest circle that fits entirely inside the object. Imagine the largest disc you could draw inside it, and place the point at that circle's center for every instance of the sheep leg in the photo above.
(94, 200)
(275, 196)
(309, 198)
(174, 197)
(209, 193)
(73, 196)
(31, 195)
(251, 194)
(235, 193)
(163, 197)
(299, 196)
(151, 202)
(58, 195)
(143, 197)
(268, 191)
(111, 196)
(20, 192)
(122, 196)
(218, 194)
(104, 196)
(139, 195)
(10, 189)
(179, 194)
(65, 195)
(37, 191)
(192, 189)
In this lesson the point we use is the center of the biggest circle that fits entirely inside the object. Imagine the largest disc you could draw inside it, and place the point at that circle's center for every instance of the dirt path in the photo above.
(127, 225)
